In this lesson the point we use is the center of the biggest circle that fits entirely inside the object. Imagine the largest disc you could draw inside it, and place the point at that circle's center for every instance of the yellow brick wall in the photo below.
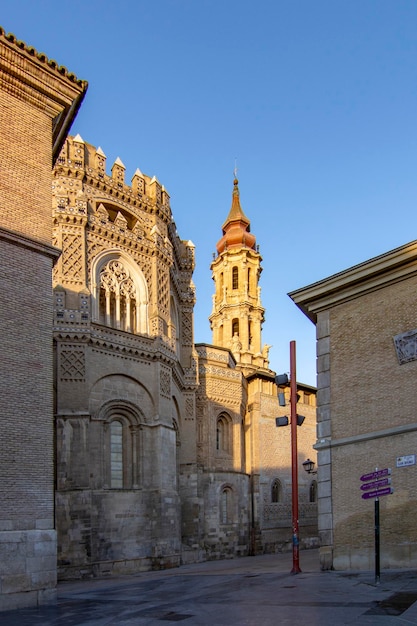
(369, 389)
(373, 403)
(25, 173)
(26, 461)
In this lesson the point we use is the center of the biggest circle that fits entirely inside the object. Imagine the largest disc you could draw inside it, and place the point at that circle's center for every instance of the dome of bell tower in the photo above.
(236, 228)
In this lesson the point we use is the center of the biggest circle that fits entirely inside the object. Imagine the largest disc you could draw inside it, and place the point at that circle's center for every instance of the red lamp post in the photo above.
(294, 463)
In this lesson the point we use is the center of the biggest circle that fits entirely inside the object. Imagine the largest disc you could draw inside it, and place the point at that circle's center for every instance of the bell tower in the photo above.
(237, 314)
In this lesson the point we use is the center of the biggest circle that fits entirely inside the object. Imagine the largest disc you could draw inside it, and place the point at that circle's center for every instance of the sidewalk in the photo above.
(250, 591)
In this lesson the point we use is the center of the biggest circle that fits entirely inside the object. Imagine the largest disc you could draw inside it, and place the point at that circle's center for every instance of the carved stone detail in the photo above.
(72, 365)
(165, 383)
(406, 346)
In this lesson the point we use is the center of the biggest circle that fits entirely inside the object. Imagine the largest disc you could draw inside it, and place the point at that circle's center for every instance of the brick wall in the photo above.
(373, 400)
(25, 175)
(27, 110)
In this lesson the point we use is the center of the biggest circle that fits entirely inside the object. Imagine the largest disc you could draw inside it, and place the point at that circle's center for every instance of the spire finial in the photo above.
(235, 171)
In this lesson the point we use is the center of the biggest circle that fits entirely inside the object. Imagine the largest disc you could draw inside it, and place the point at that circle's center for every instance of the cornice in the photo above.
(31, 244)
(386, 269)
(405, 429)
(33, 78)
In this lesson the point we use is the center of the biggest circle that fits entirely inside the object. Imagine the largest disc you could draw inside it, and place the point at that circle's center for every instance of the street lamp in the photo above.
(309, 466)
(283, 421)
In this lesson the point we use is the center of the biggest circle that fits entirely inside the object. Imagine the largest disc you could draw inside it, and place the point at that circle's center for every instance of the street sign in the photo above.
(377, 474)
(408, 459)
(376, 484)
(377, 493)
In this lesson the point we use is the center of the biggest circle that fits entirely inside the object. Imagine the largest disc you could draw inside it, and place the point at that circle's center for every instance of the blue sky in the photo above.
(317, 101)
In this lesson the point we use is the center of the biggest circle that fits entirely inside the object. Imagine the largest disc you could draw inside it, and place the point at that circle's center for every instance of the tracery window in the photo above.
(117, 297)
(119, 294)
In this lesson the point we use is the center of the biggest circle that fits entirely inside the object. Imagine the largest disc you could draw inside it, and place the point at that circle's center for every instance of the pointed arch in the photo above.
(224, 442)
(119, 292)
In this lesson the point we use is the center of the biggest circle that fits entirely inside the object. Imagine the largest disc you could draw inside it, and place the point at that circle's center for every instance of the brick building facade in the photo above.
(366, 346)
(37, 104)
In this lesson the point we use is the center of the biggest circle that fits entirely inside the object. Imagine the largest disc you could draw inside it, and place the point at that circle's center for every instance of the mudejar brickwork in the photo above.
(125, 445)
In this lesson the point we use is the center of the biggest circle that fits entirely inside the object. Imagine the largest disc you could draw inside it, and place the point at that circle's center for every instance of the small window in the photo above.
(235, 327)
(276, 491)
(313, 491)
(226, 506)
(224, 434)
(235, 278)
(116, 455)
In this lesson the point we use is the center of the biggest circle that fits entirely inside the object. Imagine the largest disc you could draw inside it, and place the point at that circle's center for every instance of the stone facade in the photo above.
(128, 446)
(162, 451)
(125, 366)
(366, 324)
(37, 105)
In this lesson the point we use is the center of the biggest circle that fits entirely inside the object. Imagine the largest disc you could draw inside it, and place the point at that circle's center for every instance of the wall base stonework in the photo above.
(391, 557)
(27, 568)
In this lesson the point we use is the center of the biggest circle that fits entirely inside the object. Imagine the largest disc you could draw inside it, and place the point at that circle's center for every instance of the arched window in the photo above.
(235, 278)
(313, 491)
(224, 434)
(235, 326)
(226, 506)
(220, 335)
(276, 491)
(120, 295)
(177, 450)
(122, 456)
(220, 284)
(116, 455)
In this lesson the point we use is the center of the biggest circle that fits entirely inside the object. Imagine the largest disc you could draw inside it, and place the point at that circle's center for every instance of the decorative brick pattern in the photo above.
(72, 364)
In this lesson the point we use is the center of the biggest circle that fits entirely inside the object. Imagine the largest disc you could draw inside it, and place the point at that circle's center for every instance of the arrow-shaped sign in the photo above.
(377, 493)
(376, 484)
(377, 474)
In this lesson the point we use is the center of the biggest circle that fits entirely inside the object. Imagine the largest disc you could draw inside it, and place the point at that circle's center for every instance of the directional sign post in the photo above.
(376, 484)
